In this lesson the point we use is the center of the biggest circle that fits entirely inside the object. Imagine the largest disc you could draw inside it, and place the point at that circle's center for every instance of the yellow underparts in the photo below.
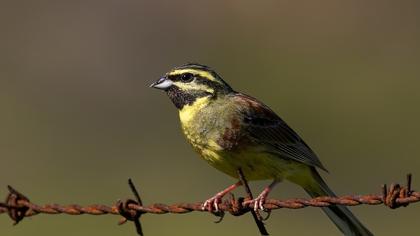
(188, 112)
(202, 128)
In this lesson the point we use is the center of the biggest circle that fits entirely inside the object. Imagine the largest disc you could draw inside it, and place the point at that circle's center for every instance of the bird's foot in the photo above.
(260, 200)
(258, 203)
(212, 204)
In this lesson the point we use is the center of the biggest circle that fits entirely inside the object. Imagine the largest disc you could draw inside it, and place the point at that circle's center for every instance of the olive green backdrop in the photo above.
(77, 116)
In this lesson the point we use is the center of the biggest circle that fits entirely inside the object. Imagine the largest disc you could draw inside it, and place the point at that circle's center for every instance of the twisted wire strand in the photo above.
(181, 208)
(18, 206)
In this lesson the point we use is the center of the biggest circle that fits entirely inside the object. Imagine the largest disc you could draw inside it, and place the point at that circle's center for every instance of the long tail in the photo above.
(340, 215)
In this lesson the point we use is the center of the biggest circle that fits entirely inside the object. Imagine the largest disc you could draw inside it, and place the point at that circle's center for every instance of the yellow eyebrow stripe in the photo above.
(184, 86)
(201, 73)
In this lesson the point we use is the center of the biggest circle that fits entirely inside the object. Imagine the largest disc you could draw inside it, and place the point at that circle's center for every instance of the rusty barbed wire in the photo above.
(18, 206)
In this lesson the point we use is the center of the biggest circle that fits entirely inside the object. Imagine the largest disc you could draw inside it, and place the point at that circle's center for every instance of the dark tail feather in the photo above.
(340, 215)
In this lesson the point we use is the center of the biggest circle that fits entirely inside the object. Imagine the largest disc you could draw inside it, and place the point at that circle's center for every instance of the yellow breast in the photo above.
(188, 112)
(197, 126)
(204, 122)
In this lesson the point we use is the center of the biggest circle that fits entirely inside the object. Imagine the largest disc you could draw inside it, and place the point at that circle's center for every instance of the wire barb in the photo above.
(392, 196)
(131, 214)
(255, 214)
(18, 206)
(16, 212)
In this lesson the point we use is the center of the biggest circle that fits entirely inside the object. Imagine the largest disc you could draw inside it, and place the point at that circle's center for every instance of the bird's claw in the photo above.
(258, 203)
(212, 204)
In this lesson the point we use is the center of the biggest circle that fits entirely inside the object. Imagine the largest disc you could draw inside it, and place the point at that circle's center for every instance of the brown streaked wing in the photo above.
(267, 128)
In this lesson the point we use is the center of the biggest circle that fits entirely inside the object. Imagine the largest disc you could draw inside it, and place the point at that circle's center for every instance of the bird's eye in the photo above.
(187, 77)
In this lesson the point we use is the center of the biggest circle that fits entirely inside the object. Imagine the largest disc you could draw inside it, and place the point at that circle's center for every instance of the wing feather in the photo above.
(264, 127)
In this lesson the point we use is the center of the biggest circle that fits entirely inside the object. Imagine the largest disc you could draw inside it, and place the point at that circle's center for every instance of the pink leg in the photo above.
(260, 200)
(216, 199)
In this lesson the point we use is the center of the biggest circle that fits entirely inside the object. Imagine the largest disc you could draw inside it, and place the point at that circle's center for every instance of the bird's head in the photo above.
(185, 84)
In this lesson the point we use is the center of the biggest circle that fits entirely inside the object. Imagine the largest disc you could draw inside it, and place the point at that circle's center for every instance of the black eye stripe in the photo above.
(198, 78)
(218, 85)
(173, 77)
(187, 77)
(209, 83)
(202, 80)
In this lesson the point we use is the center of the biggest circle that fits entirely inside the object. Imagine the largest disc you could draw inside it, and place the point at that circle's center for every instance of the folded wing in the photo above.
(265, 127)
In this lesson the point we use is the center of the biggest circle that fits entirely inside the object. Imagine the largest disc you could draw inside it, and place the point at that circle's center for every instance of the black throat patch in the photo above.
(181, 98)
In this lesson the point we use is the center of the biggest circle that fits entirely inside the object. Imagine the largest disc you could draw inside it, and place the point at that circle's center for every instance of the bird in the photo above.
(231, 131)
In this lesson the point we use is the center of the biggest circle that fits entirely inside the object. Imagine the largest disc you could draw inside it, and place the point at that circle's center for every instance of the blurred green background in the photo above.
(77, 116)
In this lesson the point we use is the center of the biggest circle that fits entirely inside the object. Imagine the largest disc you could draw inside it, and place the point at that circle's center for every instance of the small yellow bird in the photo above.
(232, 131)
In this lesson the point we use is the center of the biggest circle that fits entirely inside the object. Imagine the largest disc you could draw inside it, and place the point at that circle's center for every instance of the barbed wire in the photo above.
(18, 206)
